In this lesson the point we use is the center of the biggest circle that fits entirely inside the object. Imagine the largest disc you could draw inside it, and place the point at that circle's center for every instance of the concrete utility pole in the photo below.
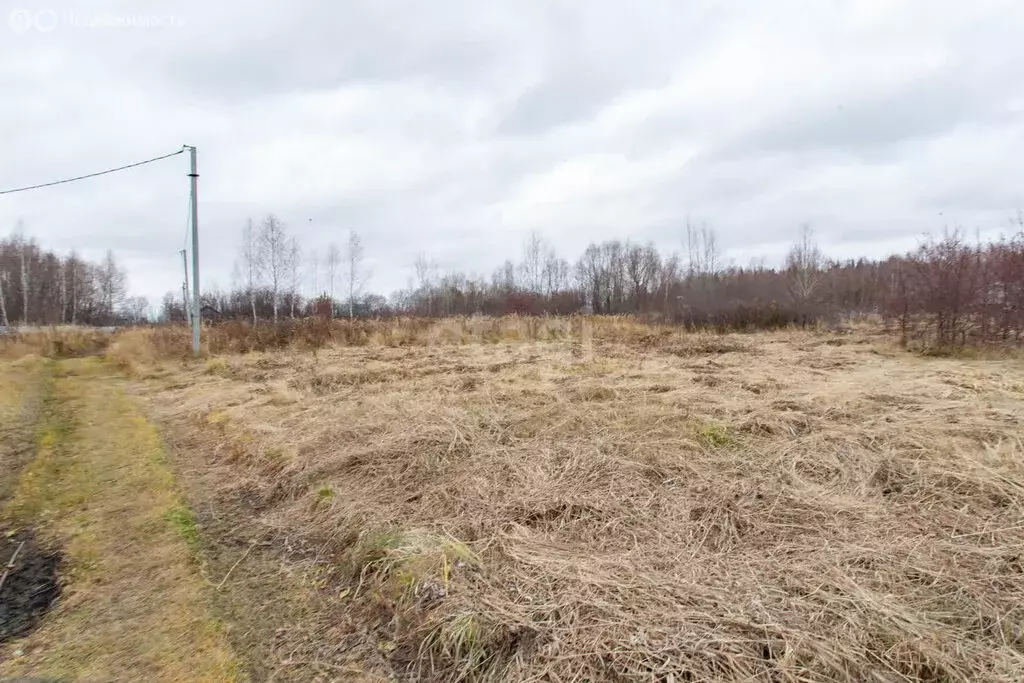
(186, 306)
(194, 176)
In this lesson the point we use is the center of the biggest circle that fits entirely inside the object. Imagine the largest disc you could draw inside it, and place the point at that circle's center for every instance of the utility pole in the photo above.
(194, 176)
(184, 289)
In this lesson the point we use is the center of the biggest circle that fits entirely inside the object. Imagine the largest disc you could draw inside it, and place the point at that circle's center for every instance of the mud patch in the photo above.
(31, 585)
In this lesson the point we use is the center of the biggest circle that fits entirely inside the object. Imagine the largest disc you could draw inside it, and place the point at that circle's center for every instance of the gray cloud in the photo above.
(877, 126)
(324, 45)
(455, 127)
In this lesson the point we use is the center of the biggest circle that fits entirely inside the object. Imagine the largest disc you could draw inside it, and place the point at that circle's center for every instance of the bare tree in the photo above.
(55, 289)
(314, 275)
(136, 309)
(25, 289)
(294, 266)
(274, 252)
(668, 276)
(112, 285)
(355, 274)
(803, 263)
(424, 269)
(555, 274)
(701, 251)
(23, 247)
(615, 274)
(532, 267)
(642, 265)
(693, 250)
(590, 270)
(333, 261)
(711, 254)
(3, 302)
(251, 265)
(74, 274)
(504, 277)
(426, 275)
(63, 283)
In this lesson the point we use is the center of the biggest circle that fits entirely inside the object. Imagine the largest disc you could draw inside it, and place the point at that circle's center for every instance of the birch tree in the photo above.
(251, 265)
(112, 286)
(274, 250)
(63, 292)
(426, 275)
(22, 247)
(73, 268)
(333, 262)
(25, 289)
(294, 266)
(532, 267)
(355, 274)
(314, 275)
(3, 303)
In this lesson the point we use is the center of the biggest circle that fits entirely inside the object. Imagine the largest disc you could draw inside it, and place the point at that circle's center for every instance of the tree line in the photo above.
(948, 292)
(271, 271)
(41, 287)
(953, 292)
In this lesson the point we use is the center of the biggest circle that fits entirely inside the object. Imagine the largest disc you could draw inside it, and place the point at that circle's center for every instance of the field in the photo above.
(561, 501)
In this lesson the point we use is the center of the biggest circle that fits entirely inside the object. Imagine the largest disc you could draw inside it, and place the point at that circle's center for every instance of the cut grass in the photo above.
(133, 607)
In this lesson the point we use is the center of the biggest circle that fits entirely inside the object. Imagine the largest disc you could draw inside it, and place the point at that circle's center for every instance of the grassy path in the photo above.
(22, 384)
(133, 606)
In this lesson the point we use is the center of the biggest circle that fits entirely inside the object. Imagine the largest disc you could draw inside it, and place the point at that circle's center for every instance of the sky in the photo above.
(454, 128)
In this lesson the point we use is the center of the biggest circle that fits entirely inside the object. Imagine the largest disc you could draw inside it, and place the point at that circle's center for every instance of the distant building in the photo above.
(208, 312)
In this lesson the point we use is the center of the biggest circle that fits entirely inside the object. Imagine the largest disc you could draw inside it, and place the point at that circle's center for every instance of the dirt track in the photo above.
(98, 488)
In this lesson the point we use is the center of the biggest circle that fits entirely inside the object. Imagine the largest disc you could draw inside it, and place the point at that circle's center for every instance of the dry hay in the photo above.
(58, 341)
(820, 512)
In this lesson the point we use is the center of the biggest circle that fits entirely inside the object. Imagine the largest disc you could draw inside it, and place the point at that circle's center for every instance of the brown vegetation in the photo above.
(626, 502)
(64, 341)
(951, 294)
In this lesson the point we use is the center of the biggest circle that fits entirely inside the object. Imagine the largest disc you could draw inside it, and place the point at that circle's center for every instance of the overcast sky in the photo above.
(457, 127)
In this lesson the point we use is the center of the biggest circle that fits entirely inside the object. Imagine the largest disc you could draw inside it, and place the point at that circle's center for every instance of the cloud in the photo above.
(455, 127)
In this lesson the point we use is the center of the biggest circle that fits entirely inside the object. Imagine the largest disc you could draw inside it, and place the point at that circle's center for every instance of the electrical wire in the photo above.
(91, 175)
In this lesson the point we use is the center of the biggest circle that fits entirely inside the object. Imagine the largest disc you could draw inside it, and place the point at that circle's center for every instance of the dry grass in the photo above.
(137, 347)
(65, 341)
(651, 506)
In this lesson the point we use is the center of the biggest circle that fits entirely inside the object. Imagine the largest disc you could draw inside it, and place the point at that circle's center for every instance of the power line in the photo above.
(91, 175)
